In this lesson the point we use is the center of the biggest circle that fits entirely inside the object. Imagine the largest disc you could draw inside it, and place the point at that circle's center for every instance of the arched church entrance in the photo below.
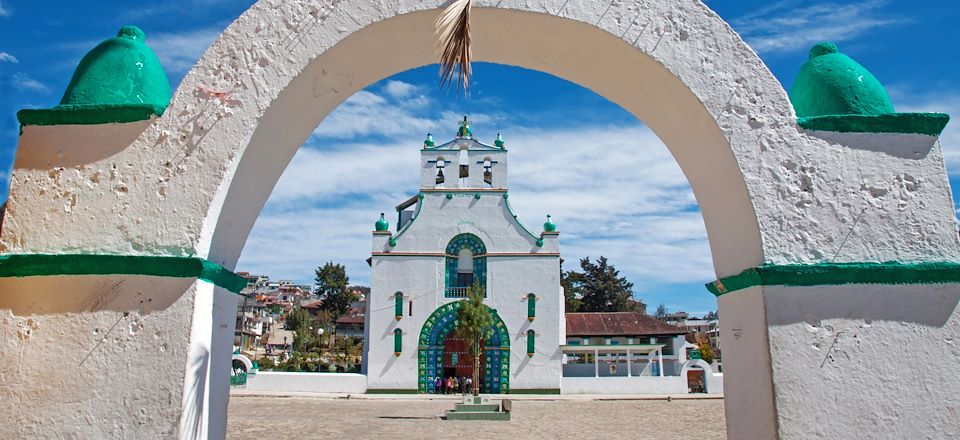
(809, 221)
(441, 353)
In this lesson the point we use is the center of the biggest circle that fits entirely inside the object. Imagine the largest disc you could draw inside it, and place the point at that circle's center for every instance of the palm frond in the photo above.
(453, 30)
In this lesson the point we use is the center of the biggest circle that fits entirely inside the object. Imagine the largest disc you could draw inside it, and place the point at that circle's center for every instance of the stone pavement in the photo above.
(256, 417)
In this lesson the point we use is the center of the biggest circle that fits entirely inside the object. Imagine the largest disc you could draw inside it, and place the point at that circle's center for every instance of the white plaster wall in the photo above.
(347, 383)
(498, 170)
(131, 380)
(748, 396)
(864, 361)
(441, 219)
(624, 385)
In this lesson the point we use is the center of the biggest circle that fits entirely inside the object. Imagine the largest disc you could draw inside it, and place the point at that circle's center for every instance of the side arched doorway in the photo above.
(441, 353)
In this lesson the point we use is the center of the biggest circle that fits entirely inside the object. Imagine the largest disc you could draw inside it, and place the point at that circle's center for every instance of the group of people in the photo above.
(453, 385)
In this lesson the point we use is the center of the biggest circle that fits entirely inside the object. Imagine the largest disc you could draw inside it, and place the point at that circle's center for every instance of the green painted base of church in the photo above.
(390, 391)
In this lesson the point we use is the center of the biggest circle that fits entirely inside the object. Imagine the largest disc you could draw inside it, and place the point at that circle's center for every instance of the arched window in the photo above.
(398, 305)
(466, 264)
(531, 335)
(531, 307)
(397, 342)
(441, 163)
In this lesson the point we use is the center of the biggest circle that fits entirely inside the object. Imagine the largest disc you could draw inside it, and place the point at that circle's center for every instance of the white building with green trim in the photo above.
(458, 229)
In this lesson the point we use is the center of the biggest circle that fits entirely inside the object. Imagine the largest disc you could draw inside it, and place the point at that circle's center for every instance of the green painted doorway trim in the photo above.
(825, 274)
(30, 265)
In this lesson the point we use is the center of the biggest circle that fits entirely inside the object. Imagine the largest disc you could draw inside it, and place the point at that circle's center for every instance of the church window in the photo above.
(466, 265)
(531, 307)
(531, 335)
(398, 305)
(397, 342)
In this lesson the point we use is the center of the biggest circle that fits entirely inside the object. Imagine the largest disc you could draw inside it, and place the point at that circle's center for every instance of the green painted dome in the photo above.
(499, 142)
(382, 225)
(831, 83)
(120, 70)
(120, 80)
(428, 143)
(464, 131)
(549, 226)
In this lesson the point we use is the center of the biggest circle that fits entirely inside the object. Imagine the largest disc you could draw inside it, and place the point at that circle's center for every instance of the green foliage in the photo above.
(706, 351)
(473, 324)
(661, 313)
(266, 363)
(571, 296)
(601, 288)
(331, 281)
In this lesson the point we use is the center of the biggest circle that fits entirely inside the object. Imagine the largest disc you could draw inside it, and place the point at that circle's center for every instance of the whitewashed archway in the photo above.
(191, 183)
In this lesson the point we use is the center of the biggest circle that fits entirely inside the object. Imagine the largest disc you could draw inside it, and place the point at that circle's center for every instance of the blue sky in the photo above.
(654, 236)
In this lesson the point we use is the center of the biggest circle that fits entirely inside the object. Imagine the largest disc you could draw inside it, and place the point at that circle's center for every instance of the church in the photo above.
(459, 229)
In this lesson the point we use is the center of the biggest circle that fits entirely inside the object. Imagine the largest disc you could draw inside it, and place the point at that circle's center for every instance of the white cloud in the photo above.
(622, 196)
(399, 89)
(179, 51)
(23, 82)
(6, 57)
(790, 25)
(4, 12)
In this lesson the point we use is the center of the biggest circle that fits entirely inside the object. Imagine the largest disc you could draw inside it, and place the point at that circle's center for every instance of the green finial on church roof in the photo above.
(549, 226)
(382, 225)
(119, 80)
(429, 142)
(831, 83)
(499, 142)
(464, 131)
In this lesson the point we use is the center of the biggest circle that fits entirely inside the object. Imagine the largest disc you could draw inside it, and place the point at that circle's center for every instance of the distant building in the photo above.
(698, 328)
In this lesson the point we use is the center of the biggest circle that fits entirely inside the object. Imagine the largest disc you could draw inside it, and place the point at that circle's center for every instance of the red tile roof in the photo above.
(350, 320)
(618, 324)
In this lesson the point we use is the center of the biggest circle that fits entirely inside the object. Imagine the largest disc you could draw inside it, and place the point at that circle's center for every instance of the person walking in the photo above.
(456, 384)
(449, 385)
(470, 385)
(438, 386)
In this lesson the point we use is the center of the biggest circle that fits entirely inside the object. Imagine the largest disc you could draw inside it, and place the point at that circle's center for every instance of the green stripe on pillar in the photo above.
(826, 274)
(30, 265)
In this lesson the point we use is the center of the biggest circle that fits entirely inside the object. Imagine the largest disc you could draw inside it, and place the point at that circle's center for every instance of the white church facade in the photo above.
(460, 229)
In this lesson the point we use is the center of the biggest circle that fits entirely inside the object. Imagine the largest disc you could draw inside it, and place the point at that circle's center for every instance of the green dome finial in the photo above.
(382, 225)
(499, 142)
(549, 226)
(464, 132)
(429, 142)
(831, 83)
(119, 80)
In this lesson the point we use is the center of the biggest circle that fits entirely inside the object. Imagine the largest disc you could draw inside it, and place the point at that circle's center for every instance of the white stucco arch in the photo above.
(192, 182)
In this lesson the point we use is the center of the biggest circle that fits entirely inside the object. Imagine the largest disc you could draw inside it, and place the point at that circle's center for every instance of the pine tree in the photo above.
(473, 324)
(571, 295)
(332, 281)
(602, 288)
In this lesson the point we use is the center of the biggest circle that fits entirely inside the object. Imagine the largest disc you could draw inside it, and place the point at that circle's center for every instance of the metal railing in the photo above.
(455, 292)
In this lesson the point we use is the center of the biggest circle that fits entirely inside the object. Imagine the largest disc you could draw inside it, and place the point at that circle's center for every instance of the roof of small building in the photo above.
(618, 324)
(350, 320)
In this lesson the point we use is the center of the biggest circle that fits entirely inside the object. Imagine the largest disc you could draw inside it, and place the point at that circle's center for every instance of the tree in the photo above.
(473, 324)
(711, 316)
(706, 351)
(601, 287)
(332, 281)
(638, 306)
(661, 313)
(298, 320)
(571, 298)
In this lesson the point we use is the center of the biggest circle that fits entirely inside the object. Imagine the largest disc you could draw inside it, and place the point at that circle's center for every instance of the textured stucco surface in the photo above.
(864, 362)
(130, 383)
